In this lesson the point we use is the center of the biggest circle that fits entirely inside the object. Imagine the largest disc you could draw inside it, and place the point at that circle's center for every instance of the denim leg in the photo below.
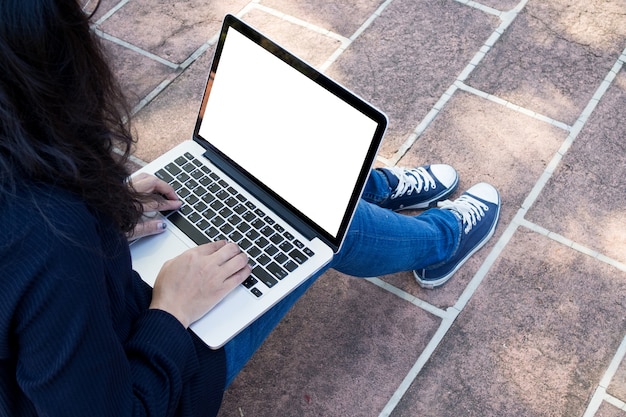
(381, 242)
(377, 188)
(378, 242)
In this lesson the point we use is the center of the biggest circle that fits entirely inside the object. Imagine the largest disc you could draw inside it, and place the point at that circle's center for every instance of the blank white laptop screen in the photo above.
(252, 129)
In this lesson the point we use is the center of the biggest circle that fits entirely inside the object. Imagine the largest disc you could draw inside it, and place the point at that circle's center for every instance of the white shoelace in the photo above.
(411, 180)
(468, 208)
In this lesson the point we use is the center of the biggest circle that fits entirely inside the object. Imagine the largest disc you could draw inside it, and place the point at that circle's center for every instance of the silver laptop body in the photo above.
(277, 163)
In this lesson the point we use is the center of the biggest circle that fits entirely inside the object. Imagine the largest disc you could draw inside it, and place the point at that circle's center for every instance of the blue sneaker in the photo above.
(478, 209)
(419, 188)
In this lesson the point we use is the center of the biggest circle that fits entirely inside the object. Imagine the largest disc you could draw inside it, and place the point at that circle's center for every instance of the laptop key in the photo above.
(164, 175)
(298, 256)
(194, 217)
(261, 242)
(252, 234)
(263, 259)
(173, 169)
(290, 266)
(264, 276)
(258, 224)
(277, 271)
(234, 220)
(249, 216)
(235, 236)
(203, 224)
(285, 247)
(182, 177)
(245, 244)
(276, 239)
(243, 227)
(191, 199)
(189, 229)
(253, 252)
(226, 229)
(281, 258)
(200, 207)
(249, 282)
(271, 250)
(189, 167)
(183, 192)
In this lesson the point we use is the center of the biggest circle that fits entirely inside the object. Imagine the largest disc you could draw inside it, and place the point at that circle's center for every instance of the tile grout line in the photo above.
(519, 217)
(507, 19)
(621, 405)
(111, 12)
(490, 97)
(509, 231)
(600, 393)
(576, 129)
(180, 67)
(495, 252)
(254, 4)
(418, 302)
(481, 7)
(299, 22)
(345, 45)
(404, 386)
(135, 48)
(572, 244)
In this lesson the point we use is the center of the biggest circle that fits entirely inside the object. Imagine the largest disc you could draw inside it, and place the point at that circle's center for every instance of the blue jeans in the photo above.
(379, 242)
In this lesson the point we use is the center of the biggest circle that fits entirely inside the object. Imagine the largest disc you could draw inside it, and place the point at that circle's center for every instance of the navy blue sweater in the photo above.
(76, 335)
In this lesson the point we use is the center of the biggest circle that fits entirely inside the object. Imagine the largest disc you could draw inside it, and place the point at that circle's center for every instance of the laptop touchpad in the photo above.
(150, 253)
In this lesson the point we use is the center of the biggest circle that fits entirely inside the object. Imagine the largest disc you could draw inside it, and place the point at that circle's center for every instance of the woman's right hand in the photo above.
(189, 285)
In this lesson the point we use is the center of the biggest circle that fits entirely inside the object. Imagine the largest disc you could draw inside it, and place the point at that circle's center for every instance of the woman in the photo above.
(80, 333)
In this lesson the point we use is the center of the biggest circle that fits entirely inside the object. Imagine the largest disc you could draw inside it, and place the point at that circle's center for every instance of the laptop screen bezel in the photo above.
(256, 187)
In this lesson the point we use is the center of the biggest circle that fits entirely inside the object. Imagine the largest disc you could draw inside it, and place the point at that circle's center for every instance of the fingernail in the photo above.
(163, 225)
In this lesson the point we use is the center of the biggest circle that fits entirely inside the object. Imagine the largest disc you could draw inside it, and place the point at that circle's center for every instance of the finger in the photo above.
(209, 248)
(228, 252)
(242, 269)
(164, 189)
(140, 176)
(159, 203)
(148, 228)
(236, 269)
(235, 272)
(149, 184)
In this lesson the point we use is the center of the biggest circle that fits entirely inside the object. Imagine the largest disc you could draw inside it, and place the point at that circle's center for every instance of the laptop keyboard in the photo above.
(213, 210)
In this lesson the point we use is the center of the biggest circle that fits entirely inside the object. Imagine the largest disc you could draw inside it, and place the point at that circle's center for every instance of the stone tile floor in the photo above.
(527, 95)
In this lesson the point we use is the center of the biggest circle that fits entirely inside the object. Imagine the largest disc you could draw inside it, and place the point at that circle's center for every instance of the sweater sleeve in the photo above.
(72, 358)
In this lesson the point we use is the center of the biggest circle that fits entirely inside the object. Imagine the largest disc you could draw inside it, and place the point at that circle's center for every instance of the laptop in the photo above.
(277, 163)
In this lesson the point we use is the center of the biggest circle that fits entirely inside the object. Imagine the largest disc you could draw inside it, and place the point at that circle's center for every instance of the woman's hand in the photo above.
(189, 285)
(162, 198)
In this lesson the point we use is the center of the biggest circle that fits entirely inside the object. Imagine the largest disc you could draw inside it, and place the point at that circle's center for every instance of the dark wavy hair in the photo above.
(62, 113)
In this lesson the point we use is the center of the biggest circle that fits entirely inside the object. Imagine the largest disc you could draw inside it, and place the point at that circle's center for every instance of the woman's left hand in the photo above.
(162, 198)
